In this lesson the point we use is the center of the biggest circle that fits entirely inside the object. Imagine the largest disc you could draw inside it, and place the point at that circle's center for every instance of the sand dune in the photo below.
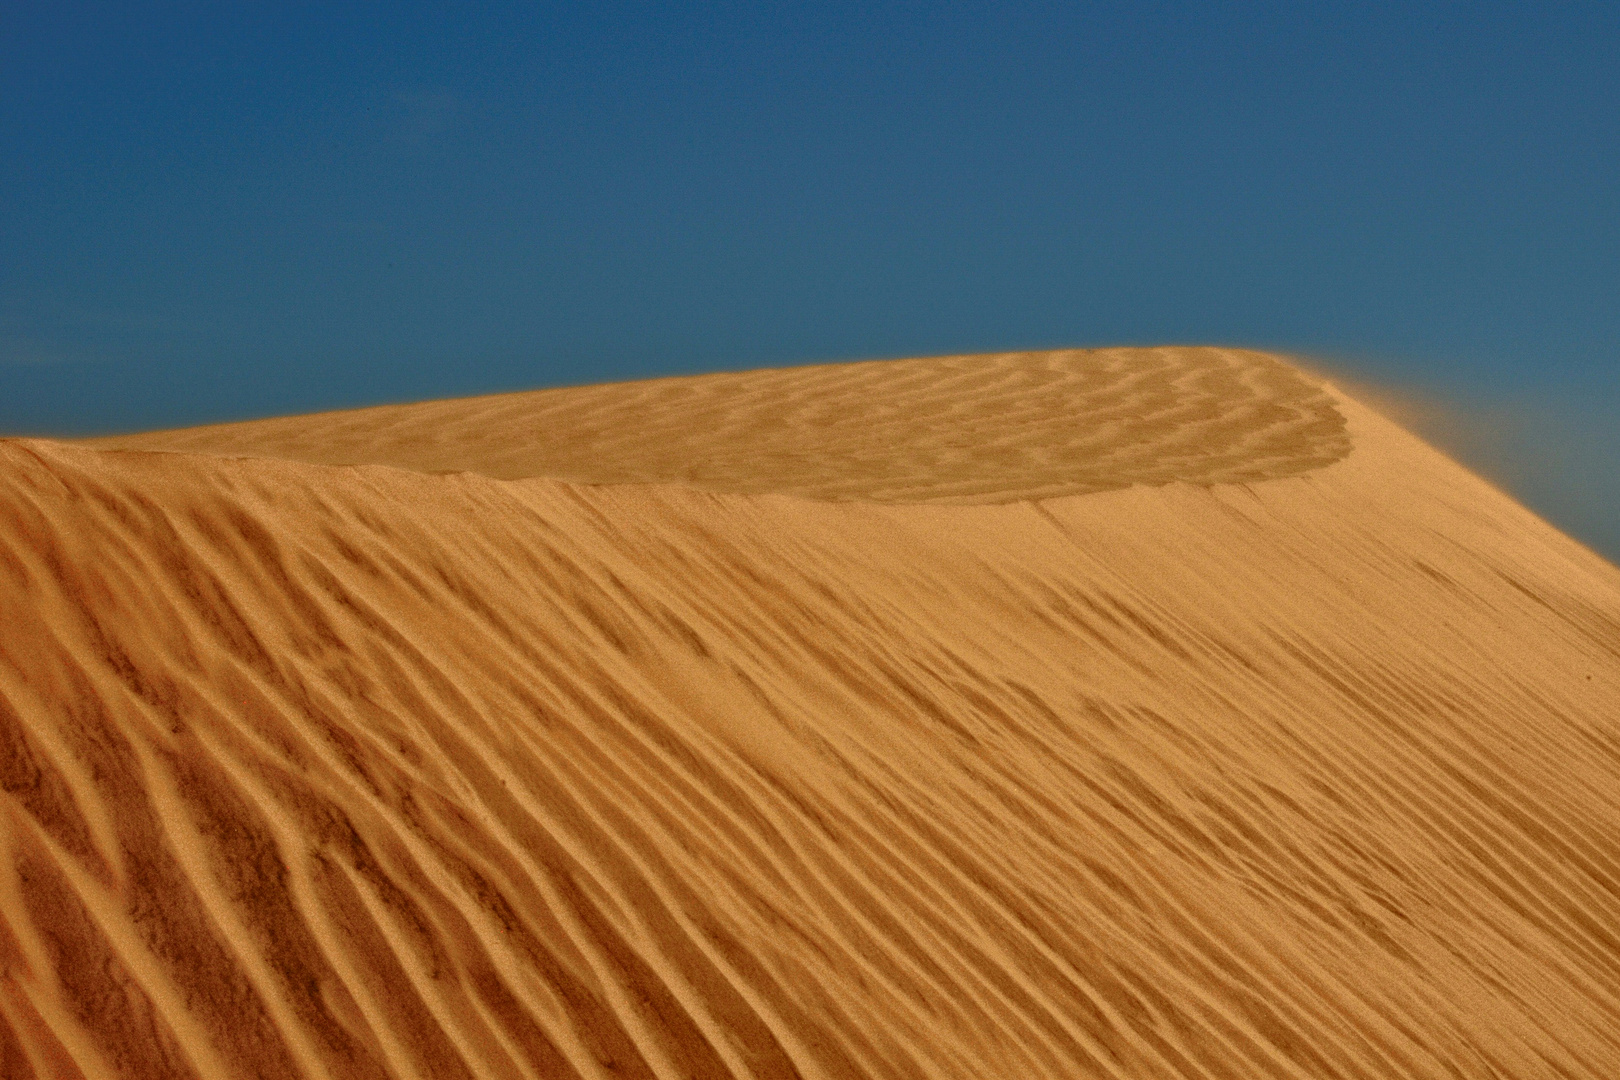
(1144, 713)
(951, 429)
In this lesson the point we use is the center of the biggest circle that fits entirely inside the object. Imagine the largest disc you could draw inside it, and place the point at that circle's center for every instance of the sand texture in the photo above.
(1266, 742)
(948, 429)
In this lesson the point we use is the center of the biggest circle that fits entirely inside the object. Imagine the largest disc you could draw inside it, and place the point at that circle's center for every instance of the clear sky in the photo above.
(212, 211)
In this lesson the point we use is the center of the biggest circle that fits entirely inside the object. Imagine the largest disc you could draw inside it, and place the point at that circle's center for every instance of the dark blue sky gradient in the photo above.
(211, 214)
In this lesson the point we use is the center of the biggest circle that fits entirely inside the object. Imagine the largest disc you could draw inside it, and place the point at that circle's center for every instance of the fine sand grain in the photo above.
(1136, 713)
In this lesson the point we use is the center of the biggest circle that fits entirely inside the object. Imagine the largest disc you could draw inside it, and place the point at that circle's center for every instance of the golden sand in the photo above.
(1137, 713)
(949, 429)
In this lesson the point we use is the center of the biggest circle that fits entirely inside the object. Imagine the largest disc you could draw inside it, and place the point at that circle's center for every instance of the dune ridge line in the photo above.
(950, 429)
(1235, 733)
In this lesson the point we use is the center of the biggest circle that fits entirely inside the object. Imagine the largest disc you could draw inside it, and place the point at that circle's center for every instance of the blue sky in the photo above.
(218, 211)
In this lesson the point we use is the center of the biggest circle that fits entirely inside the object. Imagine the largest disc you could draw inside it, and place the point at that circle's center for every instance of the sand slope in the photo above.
(364, 771)
(947, 429)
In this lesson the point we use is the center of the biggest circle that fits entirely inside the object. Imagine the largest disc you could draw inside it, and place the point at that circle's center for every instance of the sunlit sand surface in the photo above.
(965, 429)
(1137, 713)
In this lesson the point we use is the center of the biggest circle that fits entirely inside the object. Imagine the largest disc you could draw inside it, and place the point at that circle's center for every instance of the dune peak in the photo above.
(427, 771)
(950, 429)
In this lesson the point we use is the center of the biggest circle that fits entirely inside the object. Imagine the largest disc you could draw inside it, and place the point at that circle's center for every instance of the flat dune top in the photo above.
(1277, 745)
(950, 429)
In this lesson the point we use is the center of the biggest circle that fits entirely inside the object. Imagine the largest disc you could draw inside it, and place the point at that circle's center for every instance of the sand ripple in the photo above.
(361, 772)
(951, 429)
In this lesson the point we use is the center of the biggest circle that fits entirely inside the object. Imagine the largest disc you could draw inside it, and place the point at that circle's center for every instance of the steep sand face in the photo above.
(363, 772)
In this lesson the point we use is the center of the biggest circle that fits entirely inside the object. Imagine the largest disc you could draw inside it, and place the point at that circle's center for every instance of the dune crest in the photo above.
(948, 429)
(1302, 767)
